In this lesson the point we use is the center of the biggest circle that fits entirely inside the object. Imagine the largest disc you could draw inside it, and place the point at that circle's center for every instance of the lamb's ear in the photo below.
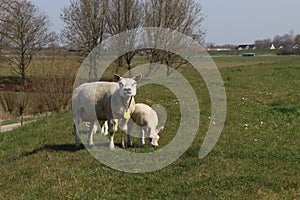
(160, 129)
(138, 77)
(149, 130)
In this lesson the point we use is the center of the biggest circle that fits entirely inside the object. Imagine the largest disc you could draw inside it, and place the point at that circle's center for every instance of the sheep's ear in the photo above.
(160, 129)
(117, 78)
(138, 78)
(149, 130)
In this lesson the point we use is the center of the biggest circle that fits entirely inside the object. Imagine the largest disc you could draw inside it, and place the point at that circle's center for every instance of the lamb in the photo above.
(104, 101)
(146, 119)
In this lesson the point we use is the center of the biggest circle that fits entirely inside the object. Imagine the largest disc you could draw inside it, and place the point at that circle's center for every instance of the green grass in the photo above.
(240, 52)
(256, 157)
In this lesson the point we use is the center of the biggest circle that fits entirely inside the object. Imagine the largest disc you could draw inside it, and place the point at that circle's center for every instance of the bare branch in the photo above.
(25, 30)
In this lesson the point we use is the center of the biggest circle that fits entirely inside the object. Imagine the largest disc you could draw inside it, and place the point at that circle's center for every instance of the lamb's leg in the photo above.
(141, 137)
(123, 140)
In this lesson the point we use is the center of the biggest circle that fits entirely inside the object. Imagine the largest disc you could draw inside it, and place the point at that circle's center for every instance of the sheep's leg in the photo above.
(111, 130)
(104, 128)
(124, 131)
(130, 126)
(92, 128)
(77, 142)
(95, 127)
(111, 143)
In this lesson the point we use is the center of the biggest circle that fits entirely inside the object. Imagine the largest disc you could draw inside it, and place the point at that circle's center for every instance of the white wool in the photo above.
(146, 119)
(104, 101)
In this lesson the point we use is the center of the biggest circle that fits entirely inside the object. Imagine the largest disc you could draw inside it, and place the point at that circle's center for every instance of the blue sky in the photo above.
(233, 21)
(226, 21)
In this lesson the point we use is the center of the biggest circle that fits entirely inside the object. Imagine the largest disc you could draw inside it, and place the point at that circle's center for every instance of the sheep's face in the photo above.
(128, 85)
(153, 135)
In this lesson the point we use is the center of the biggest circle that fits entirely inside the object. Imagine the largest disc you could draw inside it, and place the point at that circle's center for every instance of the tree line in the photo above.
(286, 41)
(24, 29)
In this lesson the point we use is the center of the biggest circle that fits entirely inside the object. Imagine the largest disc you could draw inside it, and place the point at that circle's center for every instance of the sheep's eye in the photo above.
(121, 84)
(134, 84)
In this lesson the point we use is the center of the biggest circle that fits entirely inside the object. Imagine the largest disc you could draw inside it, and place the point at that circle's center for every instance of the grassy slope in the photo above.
(257, 156)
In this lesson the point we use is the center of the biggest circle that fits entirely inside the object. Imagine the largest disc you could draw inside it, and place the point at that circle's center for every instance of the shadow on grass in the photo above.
(55, 147)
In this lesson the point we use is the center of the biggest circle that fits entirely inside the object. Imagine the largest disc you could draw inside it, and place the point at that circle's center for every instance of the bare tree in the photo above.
(8, 101)
(263, 44)
(85, 23)
(25, 30)
(297, 40)
(85, 26)
(184, 16)
(22, 104)
(124, 15)
(286, 40)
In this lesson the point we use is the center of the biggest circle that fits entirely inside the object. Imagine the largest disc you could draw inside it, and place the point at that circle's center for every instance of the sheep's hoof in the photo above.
(141, 145)
(77, 147)
(90, 145)
(129, 144)
(111, 146)
(123, 145)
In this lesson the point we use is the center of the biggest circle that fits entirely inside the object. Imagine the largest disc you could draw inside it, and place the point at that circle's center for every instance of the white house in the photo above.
(272, 47)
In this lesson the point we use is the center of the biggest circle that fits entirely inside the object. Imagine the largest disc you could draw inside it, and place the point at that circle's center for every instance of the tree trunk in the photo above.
(119, 64)
(22, 120)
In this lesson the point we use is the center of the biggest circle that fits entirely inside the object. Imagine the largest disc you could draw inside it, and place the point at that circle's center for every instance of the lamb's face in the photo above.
(128, 85)
(153, 135)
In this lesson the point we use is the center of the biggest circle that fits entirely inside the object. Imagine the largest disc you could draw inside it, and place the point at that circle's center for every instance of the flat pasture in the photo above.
(256, 157)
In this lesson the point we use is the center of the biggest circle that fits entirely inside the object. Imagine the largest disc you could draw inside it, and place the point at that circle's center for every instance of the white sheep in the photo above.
(104, 127)
(146, 119)
(104, 101)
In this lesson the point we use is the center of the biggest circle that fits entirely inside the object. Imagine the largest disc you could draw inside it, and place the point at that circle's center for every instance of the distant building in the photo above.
(272, 47)
(246, 47)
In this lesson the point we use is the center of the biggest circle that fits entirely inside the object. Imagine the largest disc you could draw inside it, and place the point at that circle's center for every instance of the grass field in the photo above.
(256, 157)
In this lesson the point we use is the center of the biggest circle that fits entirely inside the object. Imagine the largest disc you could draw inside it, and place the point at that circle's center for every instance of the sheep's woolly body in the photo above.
(99, 97)
(100, 101)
